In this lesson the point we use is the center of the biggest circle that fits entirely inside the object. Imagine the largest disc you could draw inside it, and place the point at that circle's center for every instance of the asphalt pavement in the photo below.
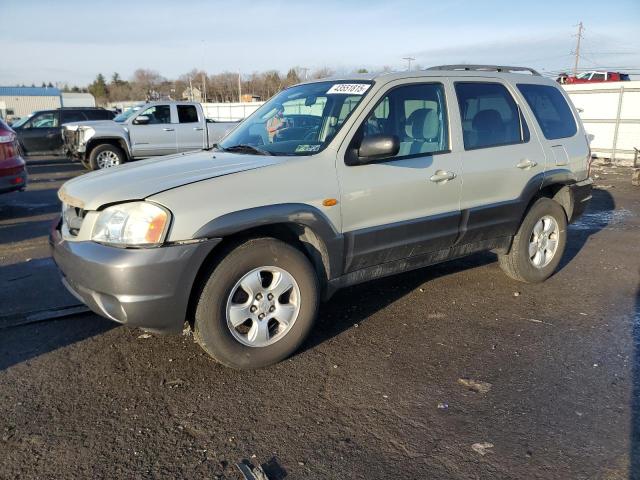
(449, 372)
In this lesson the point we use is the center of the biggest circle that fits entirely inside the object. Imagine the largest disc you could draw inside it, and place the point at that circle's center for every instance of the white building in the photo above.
(21, 101)
(76, 99)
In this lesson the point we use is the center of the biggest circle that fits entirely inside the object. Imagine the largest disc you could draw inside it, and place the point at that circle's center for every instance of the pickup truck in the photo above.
(143, 131)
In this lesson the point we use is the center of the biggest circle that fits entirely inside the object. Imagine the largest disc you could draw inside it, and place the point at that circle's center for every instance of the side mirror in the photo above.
(141, 120)
(375, 148)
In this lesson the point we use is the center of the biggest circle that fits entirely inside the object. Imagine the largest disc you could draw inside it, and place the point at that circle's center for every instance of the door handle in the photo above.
(525, 164)
(198, 129)
(442, 176)
(168, 129)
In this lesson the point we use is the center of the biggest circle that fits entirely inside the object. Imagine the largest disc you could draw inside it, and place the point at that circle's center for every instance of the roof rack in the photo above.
(486, 68)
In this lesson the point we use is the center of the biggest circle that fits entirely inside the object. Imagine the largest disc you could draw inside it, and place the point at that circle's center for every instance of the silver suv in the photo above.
(329, 184)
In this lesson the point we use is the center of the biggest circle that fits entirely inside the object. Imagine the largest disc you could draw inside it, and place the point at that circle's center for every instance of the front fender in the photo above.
(284, 213)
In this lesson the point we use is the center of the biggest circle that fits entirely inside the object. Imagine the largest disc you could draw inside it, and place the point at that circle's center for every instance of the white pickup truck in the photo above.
(145, 130)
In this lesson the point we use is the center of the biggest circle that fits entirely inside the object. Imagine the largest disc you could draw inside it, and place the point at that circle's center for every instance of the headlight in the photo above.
(132, 224)
(87, 133)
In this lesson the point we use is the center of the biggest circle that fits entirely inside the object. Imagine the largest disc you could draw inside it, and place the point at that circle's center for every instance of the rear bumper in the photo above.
(581, 195)
(146, 288)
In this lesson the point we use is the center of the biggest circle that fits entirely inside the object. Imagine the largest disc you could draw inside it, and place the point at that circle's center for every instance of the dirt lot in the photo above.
(375, 393)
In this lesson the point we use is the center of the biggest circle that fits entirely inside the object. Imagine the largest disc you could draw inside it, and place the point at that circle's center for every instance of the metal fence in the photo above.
(230, 112)
(611, 114)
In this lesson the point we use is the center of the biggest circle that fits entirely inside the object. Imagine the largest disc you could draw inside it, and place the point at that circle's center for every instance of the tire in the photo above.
(228, 287)
(106, 156)
(531, 258)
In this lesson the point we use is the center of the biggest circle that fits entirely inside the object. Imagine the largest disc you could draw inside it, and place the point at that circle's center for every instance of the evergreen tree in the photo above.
(99, 87)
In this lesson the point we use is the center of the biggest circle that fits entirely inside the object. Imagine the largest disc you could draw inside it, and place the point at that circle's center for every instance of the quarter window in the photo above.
(490, 116)
(416, 115)
(550, 109)
(187, 114)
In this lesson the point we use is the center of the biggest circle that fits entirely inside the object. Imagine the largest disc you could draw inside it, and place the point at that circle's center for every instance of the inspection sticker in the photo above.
(349, 88)
(307, 148)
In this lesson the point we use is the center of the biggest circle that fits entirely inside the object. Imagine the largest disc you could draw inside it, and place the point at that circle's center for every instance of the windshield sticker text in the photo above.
(307, 148)
(349, 88)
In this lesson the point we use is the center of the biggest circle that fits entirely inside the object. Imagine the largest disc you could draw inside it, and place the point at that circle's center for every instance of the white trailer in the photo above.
(610, 112)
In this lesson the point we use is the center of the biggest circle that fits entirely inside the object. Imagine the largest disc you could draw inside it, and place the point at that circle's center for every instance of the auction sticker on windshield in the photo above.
(349, 88)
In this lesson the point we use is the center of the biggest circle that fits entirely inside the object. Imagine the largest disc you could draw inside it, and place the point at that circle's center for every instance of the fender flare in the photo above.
(292, 214)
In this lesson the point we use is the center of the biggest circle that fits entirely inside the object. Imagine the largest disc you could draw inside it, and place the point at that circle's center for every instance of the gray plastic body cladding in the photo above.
(146, 288)
(580, 197)
(284, 213)
(386, 243)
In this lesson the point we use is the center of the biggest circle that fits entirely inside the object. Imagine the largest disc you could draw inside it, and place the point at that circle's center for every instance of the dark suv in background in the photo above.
(41, 132)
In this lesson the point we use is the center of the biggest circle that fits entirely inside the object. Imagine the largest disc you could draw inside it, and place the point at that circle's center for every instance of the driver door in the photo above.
(155, 135)
(402, 206)
(42, 134)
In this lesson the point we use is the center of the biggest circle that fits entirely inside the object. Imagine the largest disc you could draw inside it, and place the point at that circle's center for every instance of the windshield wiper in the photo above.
(245, 148)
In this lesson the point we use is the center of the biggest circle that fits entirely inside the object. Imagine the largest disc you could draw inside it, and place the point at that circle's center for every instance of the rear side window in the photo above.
(187, 114)
(72, 116)
(99, 114)
(550, 109)
(490, 116)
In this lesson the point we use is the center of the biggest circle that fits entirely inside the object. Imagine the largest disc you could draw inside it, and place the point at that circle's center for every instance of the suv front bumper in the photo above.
(146, 287)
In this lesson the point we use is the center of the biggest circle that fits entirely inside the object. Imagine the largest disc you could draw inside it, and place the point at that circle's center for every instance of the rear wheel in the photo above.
(257, 305)
(538, 246)
(106, 156)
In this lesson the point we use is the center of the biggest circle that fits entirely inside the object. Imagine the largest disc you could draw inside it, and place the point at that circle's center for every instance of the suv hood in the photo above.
(140, 179)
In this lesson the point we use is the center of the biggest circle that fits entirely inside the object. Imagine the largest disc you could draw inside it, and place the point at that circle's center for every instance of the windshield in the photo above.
(22, 121)
(300, 120)
(126, 114)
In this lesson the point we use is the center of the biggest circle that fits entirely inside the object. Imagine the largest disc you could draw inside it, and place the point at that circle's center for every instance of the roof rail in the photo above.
(485, 68)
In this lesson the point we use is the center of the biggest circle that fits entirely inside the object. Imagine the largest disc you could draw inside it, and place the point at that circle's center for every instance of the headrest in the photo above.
(487, 120)
(422, 124)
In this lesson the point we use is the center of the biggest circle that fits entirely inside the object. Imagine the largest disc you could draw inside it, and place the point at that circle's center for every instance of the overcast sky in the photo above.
(71, 41)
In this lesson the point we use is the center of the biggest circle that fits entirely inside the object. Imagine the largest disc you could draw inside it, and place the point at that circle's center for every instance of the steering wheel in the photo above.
(311, 134)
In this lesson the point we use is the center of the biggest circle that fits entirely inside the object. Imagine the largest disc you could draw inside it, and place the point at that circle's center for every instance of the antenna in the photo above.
(577, 53)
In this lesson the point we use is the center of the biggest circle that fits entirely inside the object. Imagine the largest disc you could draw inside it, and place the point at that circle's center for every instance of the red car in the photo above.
(13, 171)
(591, 77)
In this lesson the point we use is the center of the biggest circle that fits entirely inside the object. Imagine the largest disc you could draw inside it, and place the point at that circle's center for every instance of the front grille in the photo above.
(70, 138)
(72, 218)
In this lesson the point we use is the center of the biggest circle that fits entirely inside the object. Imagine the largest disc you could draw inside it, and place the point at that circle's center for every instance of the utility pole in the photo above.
(575, 65)
(204, 75)
(239, 87)
(409, 60)
(305, 70)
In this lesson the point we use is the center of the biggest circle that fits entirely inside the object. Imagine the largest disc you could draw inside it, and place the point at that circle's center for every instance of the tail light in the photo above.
(589, 158)
(8, 146)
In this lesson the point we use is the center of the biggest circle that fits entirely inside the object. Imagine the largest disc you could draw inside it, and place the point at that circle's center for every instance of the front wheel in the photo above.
(106, 156)
(538, 246)
(257, 305)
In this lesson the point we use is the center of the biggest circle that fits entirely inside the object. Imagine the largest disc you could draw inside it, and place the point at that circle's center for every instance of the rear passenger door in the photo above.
(157, 136)
(406, 205)
(500, 160)
(189, 129)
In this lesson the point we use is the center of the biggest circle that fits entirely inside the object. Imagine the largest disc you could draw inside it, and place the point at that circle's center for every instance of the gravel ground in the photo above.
(453, 371)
